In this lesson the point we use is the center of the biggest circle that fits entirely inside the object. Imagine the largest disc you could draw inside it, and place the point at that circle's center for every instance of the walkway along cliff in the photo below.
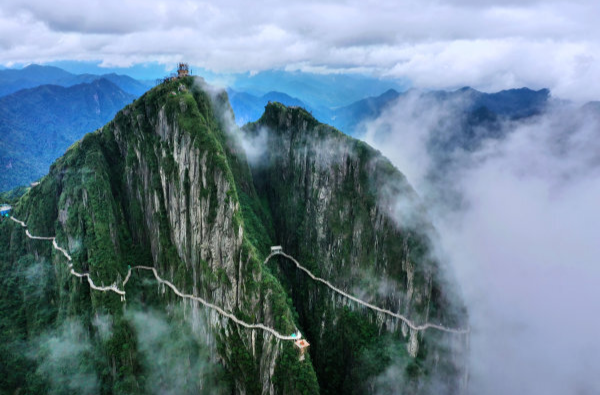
(114, 288)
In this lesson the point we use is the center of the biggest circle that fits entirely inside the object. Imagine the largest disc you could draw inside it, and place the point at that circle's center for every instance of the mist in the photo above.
(252, 145)
(179, 358)
(66, 359)
(517, 216)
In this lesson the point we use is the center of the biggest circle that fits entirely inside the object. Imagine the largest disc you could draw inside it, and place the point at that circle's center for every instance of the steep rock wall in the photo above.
(343, 210)
(155, 187)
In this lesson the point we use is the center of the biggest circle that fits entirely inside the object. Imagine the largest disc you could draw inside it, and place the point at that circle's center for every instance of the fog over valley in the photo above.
(516, 218)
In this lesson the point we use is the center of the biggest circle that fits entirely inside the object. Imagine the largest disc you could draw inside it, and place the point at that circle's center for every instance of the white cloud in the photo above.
(568, 68)
(524, 246)
(486, 44)
(65, 358)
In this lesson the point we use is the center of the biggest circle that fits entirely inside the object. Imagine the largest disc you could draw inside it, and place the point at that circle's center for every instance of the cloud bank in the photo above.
(67, 360)
(489, 45)
(523, 243)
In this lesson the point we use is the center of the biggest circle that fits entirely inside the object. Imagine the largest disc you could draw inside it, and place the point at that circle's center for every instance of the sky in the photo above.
(487, 44)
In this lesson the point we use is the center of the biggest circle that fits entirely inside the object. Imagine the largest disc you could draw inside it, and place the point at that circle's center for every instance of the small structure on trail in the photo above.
(5, 210)
(301, 345)
(276, 250)
(34, 184)
(183, 70)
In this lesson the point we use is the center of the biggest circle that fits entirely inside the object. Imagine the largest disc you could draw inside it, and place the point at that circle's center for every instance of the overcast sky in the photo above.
(487, 44)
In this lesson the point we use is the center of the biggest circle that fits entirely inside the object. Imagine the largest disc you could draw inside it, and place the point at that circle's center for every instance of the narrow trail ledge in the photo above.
(121, 292)
(408, 322)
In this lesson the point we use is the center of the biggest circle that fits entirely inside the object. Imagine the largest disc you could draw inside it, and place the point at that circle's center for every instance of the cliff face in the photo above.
(166, 184)
(345, 212)
(160, 186)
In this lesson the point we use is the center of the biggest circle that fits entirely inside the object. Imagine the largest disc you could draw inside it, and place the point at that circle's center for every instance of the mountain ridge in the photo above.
(511, 103)
(166, 183)
(14, 80)
(309, 173)
(249, 108)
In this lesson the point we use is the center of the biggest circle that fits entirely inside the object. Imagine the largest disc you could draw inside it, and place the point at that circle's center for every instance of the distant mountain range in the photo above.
(317, 91)
(514, 103)
(13, 80)
(44, 109)
(37, 125)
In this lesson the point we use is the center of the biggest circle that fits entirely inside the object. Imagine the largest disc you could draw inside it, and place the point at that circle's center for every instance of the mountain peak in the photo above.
(390, 93)
(33, 67)
(277, 113)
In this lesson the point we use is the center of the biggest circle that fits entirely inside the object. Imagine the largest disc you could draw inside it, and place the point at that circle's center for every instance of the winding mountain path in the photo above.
(112, 287)
(19, 222)
(115, 289)
(408, 322)
(210, 305)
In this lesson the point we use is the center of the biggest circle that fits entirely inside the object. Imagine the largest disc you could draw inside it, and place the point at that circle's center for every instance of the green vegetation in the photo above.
(167, 184)
(327, 196)
(109, 201)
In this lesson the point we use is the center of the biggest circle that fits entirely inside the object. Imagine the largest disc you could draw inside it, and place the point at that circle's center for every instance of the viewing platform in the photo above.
(5, 210)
